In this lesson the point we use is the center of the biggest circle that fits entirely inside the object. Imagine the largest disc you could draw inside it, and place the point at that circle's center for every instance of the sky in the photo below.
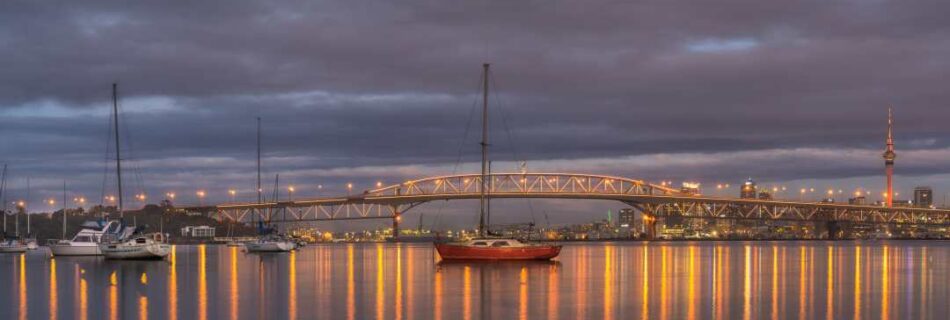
(789, 94)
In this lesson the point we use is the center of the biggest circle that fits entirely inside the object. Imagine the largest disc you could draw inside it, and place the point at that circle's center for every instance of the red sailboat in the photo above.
(490, 248)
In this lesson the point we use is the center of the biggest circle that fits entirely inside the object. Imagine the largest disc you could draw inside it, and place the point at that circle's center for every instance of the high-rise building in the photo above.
(858, 200)
(889, 156)
(748, 190)
(923, 197)
(627, 217)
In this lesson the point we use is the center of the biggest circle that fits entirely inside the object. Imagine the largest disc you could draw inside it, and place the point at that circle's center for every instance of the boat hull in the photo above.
(13, 249)
(135, 252)
(74, 250)
(450, 251)
(270, 246)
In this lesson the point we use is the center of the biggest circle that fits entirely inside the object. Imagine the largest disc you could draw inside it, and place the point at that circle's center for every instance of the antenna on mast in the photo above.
(483, 197)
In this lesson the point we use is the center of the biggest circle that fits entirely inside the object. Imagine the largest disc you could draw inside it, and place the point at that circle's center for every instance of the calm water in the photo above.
(628, 280)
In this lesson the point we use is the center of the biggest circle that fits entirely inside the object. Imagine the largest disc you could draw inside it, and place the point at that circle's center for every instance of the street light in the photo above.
(201, 197)
(290, 191)
(349, 187)
(170, 195)
(232, 192)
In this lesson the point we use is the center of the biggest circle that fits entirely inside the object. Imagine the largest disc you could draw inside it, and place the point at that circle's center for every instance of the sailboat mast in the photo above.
(64, 209)
(118, 157)
(3, 197)
(260, 191)
(25, 204)
(483, 196)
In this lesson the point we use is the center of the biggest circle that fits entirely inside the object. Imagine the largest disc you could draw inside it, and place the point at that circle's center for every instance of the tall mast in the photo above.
(64, 209)
(3, 197)
(483, 194)
(118, 155)
(259, 190)
(25, 204)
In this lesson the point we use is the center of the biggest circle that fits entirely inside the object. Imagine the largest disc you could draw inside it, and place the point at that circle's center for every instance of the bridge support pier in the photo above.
(833, 230)
(649, 226)
(396, 218)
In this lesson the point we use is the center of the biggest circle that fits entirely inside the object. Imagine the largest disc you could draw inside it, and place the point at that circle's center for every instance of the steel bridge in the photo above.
(652, 200)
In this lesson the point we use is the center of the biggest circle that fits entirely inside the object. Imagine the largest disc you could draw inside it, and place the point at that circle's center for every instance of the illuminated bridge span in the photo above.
(650, 199)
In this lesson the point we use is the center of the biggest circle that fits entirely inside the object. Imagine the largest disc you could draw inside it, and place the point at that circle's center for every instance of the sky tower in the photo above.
(889, 156)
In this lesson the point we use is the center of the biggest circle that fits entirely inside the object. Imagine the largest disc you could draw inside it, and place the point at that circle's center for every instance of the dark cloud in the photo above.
(345, 86)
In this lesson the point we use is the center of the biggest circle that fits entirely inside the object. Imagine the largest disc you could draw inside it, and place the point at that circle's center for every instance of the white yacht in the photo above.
(137, 246)
(85, 242)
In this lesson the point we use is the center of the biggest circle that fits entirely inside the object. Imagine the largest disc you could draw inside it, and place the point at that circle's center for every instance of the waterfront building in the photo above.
(690, 188)
(765, 195)
(923, 197)
(858, 201)
(197, 231)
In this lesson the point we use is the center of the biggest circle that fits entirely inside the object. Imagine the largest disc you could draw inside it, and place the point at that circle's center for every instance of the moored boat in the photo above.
(85, 242)
(271, 243)
(137, 246)
(12, 246)
(486, 248)
(497, 249)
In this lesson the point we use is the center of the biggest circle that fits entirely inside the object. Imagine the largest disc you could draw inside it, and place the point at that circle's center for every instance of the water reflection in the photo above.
(672, 280)
(53, 291)
(22, 281)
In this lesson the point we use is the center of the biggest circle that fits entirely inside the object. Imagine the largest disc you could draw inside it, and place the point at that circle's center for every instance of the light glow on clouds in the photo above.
(711, 45)
(53, 109)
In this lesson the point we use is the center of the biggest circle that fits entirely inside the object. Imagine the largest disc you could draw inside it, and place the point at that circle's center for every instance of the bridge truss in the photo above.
(653, 200)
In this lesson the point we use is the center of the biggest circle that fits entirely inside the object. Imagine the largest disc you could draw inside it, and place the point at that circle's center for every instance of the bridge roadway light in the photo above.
(349, 188)
(290, 192)
(232, 192)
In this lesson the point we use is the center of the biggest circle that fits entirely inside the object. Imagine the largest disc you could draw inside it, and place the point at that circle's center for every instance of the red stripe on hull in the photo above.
(461, 252)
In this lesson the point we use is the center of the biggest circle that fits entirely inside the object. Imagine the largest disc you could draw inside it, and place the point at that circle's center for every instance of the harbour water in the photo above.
(611, 280)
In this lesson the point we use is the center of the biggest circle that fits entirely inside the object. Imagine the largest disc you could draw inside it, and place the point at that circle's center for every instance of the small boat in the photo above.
(12, 245)
(139, 246)
(270, 243)
(497, 249)
(488, 248)
(270, 240)
(31, 244)
(85, 242)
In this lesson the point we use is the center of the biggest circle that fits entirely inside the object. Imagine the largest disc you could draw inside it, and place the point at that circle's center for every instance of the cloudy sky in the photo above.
(791, 94)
